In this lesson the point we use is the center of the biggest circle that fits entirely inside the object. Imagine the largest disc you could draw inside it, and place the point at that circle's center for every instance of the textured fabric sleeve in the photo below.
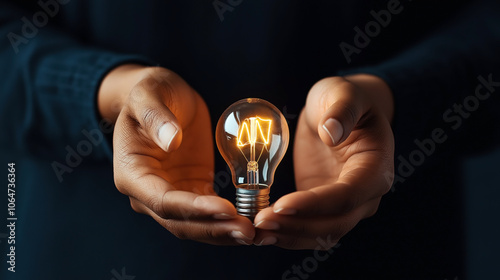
(49, 83)
(450, 80)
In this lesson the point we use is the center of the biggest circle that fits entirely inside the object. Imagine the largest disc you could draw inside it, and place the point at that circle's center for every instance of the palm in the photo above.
(368, 148)
(343, 161)
(163, 161)
(188, 168)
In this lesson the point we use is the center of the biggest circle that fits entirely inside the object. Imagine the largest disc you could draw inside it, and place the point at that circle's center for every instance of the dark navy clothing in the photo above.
(74, 224)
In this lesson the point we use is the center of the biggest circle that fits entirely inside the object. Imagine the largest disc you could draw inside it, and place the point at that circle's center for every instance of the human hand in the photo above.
(163, 155)
(344, 148)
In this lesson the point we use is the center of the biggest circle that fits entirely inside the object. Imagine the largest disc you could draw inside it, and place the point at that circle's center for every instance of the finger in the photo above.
(236, 231)
(162, 197)
(156, 104)
(137, 206)
(295, 232)
(334, 108)
(183, 205)
(310, 227)
(291, 242)
(295, 243)
(354, 188)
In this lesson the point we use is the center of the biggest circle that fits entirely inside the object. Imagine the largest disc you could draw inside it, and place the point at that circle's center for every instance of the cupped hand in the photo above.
(163, 155)
(343, 159)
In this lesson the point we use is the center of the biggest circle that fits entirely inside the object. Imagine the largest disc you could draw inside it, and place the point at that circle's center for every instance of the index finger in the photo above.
(164, 199)
(352, 190)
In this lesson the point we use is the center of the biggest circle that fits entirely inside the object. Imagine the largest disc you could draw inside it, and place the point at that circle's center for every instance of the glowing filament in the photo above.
(251, 129)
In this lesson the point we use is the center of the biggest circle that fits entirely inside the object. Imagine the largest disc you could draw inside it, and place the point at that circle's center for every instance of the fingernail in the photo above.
(166, 134)
(334, 129)
(223, 216)
(269, 225)
(240, 237)
(270, 240)
(241, 241)
(285, 211)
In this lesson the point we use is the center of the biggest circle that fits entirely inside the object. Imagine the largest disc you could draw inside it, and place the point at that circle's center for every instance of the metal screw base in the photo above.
(250, 202)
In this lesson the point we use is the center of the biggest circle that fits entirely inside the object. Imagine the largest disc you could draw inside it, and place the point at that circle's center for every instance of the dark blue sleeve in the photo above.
(451, 79)
(49, 83)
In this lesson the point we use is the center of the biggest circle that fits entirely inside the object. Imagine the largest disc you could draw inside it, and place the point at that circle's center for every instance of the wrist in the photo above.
(377, 90)
(115, 88)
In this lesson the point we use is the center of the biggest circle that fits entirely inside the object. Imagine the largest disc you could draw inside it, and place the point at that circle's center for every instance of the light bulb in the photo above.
(252, 137)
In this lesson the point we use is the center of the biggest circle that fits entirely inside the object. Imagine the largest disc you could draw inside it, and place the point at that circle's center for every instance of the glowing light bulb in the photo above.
(252, 136)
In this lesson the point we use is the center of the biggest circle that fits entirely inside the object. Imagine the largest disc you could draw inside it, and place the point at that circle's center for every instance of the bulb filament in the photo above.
(254, 130)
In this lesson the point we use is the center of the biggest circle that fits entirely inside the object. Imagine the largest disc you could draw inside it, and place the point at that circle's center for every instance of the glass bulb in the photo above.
(252, 137)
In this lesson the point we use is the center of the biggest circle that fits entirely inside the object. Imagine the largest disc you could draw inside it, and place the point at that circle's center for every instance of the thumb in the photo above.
(334, 107)
(157, 120)
(169, 135)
